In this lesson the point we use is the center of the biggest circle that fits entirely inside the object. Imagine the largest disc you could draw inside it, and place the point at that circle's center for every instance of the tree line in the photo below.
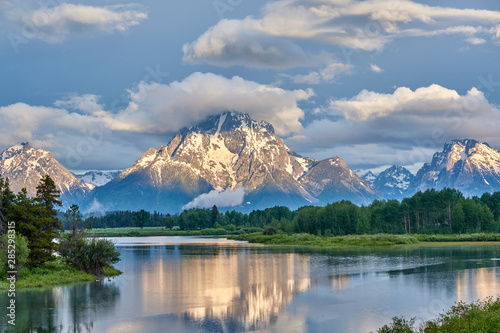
(430, 212)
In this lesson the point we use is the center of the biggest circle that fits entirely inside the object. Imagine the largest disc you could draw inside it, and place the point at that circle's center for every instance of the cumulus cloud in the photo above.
(429, 101)
(273, 39)
(407, 119)
(163, 108)
(82, 134)
(226, 198)
(58, 23)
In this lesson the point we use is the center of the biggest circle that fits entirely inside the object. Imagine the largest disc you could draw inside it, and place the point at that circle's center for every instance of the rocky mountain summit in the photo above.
(24, 166)
(467, 165)
(229, 152)
(394, 182)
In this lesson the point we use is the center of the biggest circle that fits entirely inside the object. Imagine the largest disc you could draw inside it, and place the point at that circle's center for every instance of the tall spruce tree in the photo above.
(6, 202)
(36, 219)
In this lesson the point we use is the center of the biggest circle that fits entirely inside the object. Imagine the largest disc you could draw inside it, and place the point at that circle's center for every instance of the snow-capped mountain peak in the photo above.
(467, 165)
(24, 166)
(233, 151)
(98, 178)
(369, 177)
(394, 182)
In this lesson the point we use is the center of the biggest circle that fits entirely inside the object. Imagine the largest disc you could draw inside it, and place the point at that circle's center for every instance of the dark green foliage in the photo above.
(214, 215)
(399, 325)
(430, 212)
(6, 202)
(480, 316)
(140, 218)
(92, 256)
(36, 219)
(269, 231)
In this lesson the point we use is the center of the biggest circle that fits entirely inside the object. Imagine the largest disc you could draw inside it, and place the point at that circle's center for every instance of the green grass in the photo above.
(311, 240)
(53, 273)
(480, 316)
(161, 231)
(481, 237)
(138, 232)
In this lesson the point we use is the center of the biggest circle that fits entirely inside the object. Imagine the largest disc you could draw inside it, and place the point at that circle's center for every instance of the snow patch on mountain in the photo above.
(97, 178)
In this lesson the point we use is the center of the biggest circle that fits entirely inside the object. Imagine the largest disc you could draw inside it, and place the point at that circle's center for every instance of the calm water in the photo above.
(173, 284)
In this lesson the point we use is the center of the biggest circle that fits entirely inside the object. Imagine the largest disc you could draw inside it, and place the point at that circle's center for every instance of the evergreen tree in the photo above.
(6, 201)
(214, 215)
(141, 218)
(36, 219)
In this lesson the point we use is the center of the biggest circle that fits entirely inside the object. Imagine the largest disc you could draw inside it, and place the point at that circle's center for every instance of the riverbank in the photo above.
(52, 274)
(161, 231)
(480, 316)
(363, 240)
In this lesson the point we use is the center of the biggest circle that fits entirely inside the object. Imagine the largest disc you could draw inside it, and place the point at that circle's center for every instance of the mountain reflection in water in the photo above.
(176, 285)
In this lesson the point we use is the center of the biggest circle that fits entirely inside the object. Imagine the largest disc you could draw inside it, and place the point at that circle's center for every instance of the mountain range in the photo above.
(238, 163)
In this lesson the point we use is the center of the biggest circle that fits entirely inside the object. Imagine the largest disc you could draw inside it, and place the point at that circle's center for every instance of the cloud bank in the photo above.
(161, 108)
(55, 24)
(405, 120)
(273, 39)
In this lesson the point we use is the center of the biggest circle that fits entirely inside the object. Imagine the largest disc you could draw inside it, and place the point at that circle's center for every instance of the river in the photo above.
(189, 284)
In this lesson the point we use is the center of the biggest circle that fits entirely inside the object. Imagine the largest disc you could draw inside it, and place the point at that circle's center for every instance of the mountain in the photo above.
(24, 166)
(230, 152)
(467, 165)
(369, 177)
(98, 178)
(393, 182)
(331, 180)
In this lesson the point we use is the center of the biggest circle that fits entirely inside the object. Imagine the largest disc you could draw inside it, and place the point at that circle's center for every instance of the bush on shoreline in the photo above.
(480, 316)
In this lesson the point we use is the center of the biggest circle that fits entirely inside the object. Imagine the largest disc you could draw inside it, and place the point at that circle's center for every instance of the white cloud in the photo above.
(233, 42)
(375, 68)
(475, 41)
(58, 23)
(83, 134)
(368, 105)
(226, 198)
(87, 103)
(161, 108)
(407, 120)
(273, 39)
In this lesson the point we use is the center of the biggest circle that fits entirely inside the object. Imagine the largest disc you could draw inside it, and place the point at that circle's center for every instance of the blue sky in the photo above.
(376, 82)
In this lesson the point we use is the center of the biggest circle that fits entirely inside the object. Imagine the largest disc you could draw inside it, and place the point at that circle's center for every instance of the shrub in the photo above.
(21, 252)
(92, 256)
(269, 231)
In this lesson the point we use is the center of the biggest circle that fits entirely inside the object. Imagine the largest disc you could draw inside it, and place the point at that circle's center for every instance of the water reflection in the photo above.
(62, 309)
(228, 287)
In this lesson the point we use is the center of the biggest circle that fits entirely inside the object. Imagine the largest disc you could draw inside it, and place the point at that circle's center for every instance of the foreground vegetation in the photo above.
(28, 228)
(480, 316)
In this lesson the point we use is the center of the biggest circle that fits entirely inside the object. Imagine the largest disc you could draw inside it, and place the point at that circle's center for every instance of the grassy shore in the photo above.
(363, 240)
(51, 274)
(161, 231)
(481, 316)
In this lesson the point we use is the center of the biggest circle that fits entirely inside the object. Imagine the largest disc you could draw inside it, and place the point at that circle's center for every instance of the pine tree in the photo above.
(36, 219)
(6, 202)
(215, 214)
